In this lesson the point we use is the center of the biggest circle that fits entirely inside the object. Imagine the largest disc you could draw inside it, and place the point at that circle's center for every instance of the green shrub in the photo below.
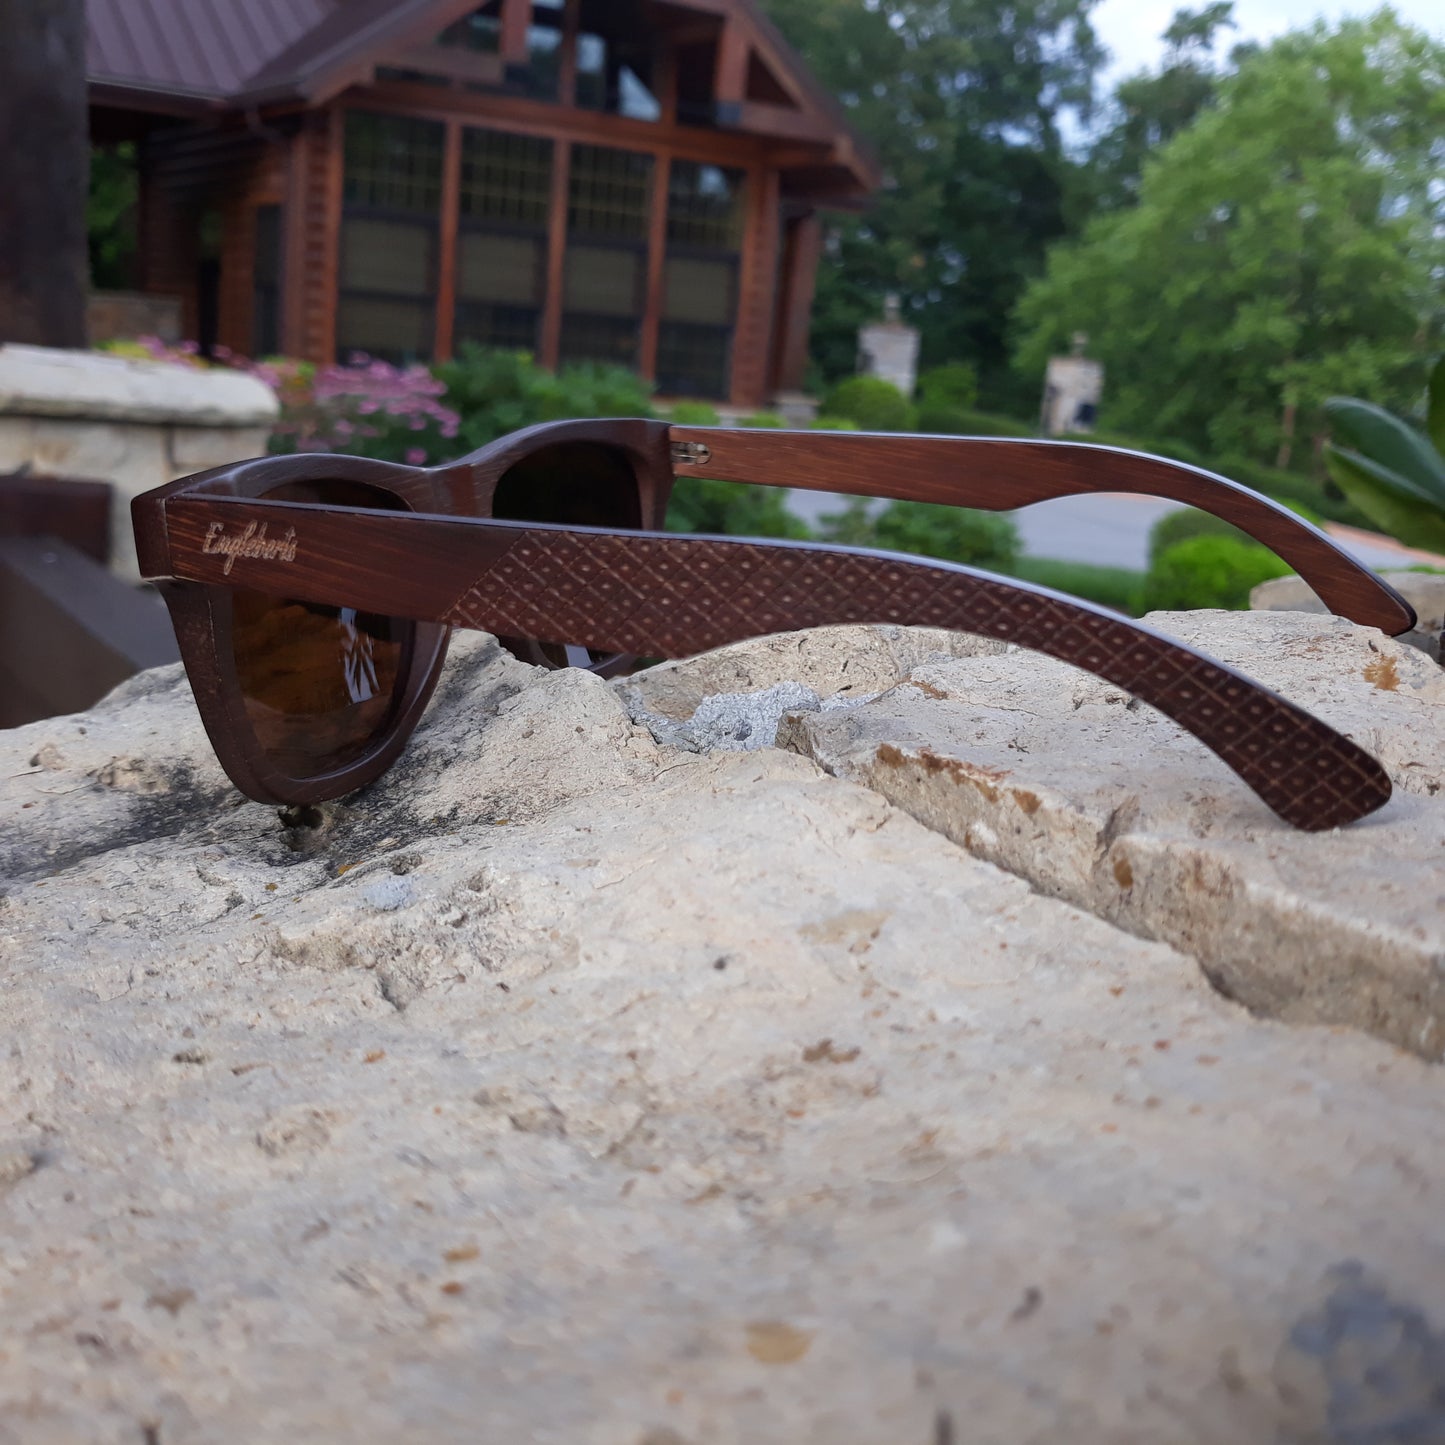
(496, 392)
(954, 386)
(767, 420)
(1116, 587)
(950, 421)
(1188, 522)
(1207, 572)
(694, 413)
(954, 534)
(701, 504)
(1174, 451)
(832, 423)
(870, 403)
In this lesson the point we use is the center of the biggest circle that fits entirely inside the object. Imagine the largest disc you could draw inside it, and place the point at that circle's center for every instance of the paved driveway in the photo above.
(1111, 529)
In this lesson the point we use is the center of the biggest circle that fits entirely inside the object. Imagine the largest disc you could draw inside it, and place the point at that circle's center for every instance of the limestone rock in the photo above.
(565, 1086)
(1424, 591)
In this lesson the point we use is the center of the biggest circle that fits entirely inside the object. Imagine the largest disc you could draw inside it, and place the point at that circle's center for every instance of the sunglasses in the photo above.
(312, 596)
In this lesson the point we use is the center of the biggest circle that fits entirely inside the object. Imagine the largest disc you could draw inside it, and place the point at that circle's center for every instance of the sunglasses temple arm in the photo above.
(654, 594)
(999, 475)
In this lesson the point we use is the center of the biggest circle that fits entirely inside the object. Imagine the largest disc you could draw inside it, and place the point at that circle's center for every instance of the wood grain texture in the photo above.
(998, 475)
(671, 596)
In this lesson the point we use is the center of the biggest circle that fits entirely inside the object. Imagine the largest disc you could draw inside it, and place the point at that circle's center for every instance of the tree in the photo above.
(43, 161)
(1152, 109)
(962, 99)
(1284, 248)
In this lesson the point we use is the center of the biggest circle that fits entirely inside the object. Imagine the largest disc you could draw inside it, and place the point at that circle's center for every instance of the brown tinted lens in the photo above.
(577, 483)
(320, 684)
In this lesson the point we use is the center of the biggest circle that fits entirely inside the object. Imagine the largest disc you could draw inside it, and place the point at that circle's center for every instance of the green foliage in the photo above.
(1283, 249)
(832, 423)
(700, 504)
(1174, 527)
(1150, 109)
(947, 422)
(765, 420)
(1115, 587)
(496, 392)
(1393, 473)
(954, 534)
(954, 385)
(694, 413)
(1207, 572)
(870, 403)
(110, 215)
(962, 101)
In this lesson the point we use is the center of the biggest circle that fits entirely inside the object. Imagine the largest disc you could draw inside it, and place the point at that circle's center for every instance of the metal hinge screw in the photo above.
(692, 454)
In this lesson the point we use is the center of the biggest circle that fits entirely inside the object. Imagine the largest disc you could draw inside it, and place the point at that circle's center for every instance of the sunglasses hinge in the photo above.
(693, 454)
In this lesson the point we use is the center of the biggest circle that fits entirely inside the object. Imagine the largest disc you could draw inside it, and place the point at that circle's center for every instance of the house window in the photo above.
(609, 201)
(506, 188)
(700, 298)
(389, 225)
(266, 283)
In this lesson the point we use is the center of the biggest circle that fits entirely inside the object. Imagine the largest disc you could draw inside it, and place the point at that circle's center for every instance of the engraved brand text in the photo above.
(253, 542)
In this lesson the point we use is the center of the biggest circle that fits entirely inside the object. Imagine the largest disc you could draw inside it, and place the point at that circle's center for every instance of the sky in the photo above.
(1131, 28)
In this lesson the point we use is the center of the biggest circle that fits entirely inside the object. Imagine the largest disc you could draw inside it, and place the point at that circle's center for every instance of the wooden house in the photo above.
(630, 181)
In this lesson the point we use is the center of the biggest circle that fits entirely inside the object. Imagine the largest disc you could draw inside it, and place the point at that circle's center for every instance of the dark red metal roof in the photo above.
(206, 49)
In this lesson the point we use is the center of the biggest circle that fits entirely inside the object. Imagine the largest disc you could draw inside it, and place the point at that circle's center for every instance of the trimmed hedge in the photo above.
(1116, 587)
(1207, 572)
(870, 402)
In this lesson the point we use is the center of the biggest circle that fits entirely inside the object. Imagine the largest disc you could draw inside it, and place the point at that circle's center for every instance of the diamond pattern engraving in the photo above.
(673, 596)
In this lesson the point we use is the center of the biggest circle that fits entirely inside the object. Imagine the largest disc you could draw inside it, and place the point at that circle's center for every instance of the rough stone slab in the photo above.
(43, 381)
(1424, 591)
(1064, 781)
(563, 1087)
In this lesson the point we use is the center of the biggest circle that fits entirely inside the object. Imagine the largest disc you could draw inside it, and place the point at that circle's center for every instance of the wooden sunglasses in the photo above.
(313, 595)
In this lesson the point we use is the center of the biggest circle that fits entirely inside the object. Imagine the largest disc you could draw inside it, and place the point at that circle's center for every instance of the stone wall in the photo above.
(988, 1066)
(134, 424)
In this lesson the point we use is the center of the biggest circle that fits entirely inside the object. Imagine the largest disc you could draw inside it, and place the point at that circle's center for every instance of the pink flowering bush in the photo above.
(366, 407)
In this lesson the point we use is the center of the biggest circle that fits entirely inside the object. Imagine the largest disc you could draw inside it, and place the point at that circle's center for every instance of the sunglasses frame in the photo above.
(370, 558)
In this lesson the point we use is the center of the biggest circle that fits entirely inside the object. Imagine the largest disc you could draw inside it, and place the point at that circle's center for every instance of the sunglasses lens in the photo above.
(577, 484)
(320, 684)
(580, 484)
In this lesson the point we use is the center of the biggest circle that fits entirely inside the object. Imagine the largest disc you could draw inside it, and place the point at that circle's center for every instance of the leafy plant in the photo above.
(496, 392)
(944, 392)
(701, 504)
(1179, 526)
(832, 423)
(947, 422)
(1207, 572)
(766, 420)
(954, 534)
(870, 402)
(1394, 474)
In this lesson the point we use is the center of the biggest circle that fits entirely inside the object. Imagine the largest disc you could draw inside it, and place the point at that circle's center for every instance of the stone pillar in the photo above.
(1073, 386)
(888, 349)
(134, 424)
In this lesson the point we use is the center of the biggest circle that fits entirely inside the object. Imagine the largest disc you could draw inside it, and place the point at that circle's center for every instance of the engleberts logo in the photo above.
(253, 542)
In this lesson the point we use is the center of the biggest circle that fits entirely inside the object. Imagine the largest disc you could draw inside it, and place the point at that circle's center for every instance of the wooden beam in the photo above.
(454, 64)
(752, 334)
(730, 78)
(446, 280)
(567, 78)
(551, 343)
(656, 268)
(760, 118)
(516, 17)
(802, 249)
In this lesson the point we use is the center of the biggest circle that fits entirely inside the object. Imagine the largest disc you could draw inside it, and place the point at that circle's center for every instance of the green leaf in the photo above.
(1408, 518)
(1435, 416)
(1390, 443)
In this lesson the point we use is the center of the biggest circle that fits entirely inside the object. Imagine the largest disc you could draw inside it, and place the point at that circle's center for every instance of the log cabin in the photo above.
(628, 181)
